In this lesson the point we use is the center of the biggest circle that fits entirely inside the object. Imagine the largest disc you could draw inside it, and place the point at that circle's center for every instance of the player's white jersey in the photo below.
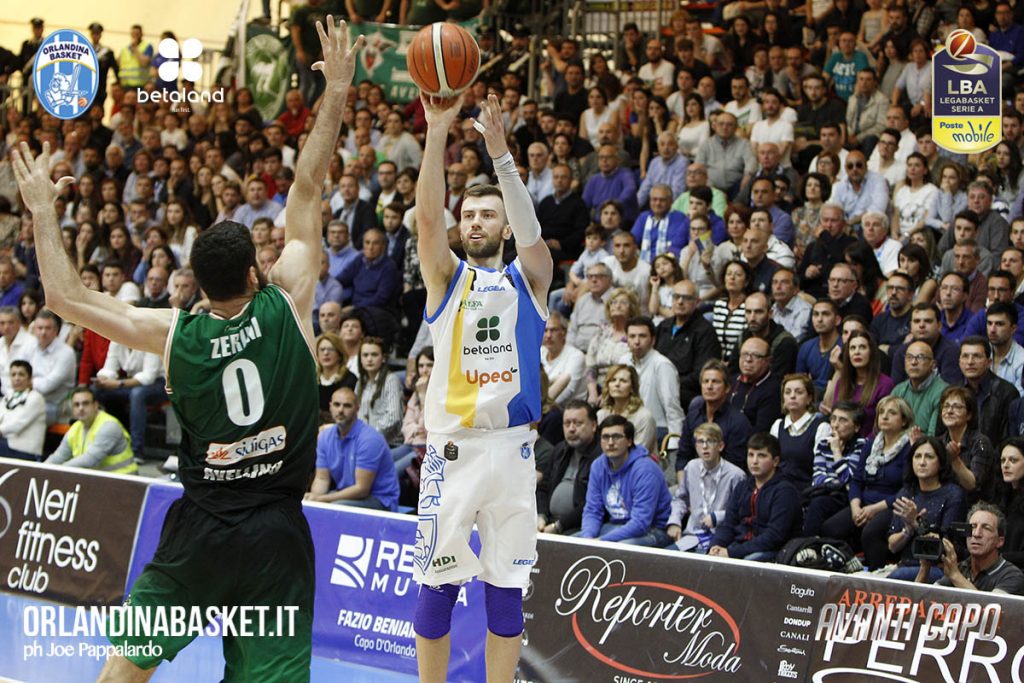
(487, 336)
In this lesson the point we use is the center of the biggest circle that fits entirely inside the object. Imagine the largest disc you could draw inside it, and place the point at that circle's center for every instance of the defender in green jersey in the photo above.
(243, 385)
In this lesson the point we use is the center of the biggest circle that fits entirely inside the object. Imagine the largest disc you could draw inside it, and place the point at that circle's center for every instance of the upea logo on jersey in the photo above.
(966, 95)
(65, 74)
(180, 61)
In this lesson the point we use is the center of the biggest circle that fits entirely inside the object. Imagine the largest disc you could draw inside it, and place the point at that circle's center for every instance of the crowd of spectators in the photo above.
(780, 310)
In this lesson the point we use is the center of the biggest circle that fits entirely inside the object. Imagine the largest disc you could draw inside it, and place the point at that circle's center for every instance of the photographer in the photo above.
(985, 569)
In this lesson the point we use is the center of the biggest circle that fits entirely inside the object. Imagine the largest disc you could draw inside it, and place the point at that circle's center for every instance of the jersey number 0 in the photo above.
(243, 392)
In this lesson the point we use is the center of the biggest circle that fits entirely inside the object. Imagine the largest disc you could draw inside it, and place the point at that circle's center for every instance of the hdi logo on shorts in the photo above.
(65, 74)
(967, 95)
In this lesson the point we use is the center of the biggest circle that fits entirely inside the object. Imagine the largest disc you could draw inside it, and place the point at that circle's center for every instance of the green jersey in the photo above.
(245, 393)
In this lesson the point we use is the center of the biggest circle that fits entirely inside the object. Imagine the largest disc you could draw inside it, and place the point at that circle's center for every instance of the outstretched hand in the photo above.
(339, 62)
(439, 111)
(33, 176)
(494, 126)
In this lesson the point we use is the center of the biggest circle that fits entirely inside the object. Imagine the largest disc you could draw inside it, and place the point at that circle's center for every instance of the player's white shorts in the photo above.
(492, 483)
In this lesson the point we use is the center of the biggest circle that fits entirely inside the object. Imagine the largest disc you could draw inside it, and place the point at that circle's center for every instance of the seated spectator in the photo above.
(965, 227)
(922, 388)
(665, 272)
(611, 182)
(22, 415)
(728, 157)
(755, 392)
(825, 251)
(116, 284)
(782, 347)
(562, 489)
(594, 252)
(129, 382)
(329, 316)
(15, 343)
(53, 366)
(993, 395)
(10, 287)
(875, 480)
(703, 493)
(843, 285)
(763, 512)
(929, 497)
(1007, 355)
(379, 390)
(985, 569)
(627, 500)
(620, 395)
(328, 289)
(156, 294)
(659, 381)
(754, 250)
(971, 454)
(354, 212)
(892, 326)
(339, 248)
(374, 282)
(687, 339)
(660, 230)
(814, 354)
(1001, 284)
(861, 190)
(729, 313)
(628, 269)
(610, 343)
(953, 288)
(859, 379)
(1011, 501)
(564, 364)
(590, 315)
(790, 311)
(713, 406)
(355, 458)
(797, 430)
(96, 440)
(351, 330)
(563, 216)
(925, 326)
(838, 450)
(331, 371)
(396, 233)
(668, 168)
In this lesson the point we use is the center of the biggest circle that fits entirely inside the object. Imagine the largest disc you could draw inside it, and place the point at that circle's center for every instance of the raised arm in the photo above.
(296, 270)
(534, 255)
(140, 328)
(437, 262)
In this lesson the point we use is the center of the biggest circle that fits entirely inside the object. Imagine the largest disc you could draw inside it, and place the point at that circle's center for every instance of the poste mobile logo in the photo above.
(65, 74)
(967, 94)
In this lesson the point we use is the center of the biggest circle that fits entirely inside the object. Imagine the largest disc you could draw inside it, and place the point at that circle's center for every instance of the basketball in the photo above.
(443, 59)
(961, 43)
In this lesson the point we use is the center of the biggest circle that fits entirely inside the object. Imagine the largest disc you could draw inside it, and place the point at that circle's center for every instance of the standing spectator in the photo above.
(763, 513)
(563, 363)
(133, 60)
(659, 381)
(627, 500)
(22, 415)
(355, 457)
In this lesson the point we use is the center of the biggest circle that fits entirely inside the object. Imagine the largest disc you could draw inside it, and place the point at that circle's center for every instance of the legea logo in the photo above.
(180, 62)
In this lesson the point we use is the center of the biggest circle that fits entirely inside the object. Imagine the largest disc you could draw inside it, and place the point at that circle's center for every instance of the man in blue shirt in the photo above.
(627, 499)
(952, 303)
(373, 279)
(356, 458)
(327, 288)
(713, 406)
(339, 248)
(813, 357)
(660, 230)
(668, 168)
(613, 182)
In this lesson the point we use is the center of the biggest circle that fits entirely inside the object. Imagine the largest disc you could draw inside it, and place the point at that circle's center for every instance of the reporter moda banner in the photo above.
(65, 537)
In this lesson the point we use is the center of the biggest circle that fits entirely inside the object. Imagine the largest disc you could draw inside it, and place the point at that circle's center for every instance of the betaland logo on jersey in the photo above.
(266, 442)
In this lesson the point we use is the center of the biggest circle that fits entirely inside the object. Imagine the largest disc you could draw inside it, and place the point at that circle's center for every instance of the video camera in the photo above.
(927, 544)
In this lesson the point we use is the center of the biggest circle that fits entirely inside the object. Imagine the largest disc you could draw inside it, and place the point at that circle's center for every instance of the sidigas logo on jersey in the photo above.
(266, 442)
(65, 74)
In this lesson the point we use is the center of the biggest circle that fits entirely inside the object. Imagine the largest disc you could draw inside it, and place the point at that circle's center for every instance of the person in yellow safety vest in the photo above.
(133, 60)
(96, 440)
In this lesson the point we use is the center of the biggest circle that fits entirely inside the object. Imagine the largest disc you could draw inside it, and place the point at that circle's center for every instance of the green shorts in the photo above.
(203, 561)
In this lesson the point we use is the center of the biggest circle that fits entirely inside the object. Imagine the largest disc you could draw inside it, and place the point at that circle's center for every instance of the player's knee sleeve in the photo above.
(434, 606)
(504, 610)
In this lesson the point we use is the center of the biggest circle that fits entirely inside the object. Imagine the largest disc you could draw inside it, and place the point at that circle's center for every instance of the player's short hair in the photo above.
(484, 191)
(221, 258)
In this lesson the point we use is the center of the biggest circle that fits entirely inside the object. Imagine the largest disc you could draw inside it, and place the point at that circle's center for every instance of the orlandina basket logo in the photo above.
(646, 628)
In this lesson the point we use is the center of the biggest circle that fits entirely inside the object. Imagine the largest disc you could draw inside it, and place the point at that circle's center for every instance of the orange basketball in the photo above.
(961, 43)
(443, 59)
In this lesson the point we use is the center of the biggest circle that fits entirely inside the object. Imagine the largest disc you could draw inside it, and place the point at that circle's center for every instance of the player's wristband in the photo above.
(518, 205)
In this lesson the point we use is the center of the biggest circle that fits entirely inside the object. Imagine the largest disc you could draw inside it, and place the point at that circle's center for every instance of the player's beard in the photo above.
(483, 250)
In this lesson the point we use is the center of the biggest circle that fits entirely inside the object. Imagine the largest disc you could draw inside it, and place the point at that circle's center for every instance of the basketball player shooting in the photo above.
(483, 400)
(238, 536)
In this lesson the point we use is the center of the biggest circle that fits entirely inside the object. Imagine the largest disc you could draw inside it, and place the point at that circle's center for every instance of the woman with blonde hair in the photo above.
(331, 371)
(621, 396)
(609, 344)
